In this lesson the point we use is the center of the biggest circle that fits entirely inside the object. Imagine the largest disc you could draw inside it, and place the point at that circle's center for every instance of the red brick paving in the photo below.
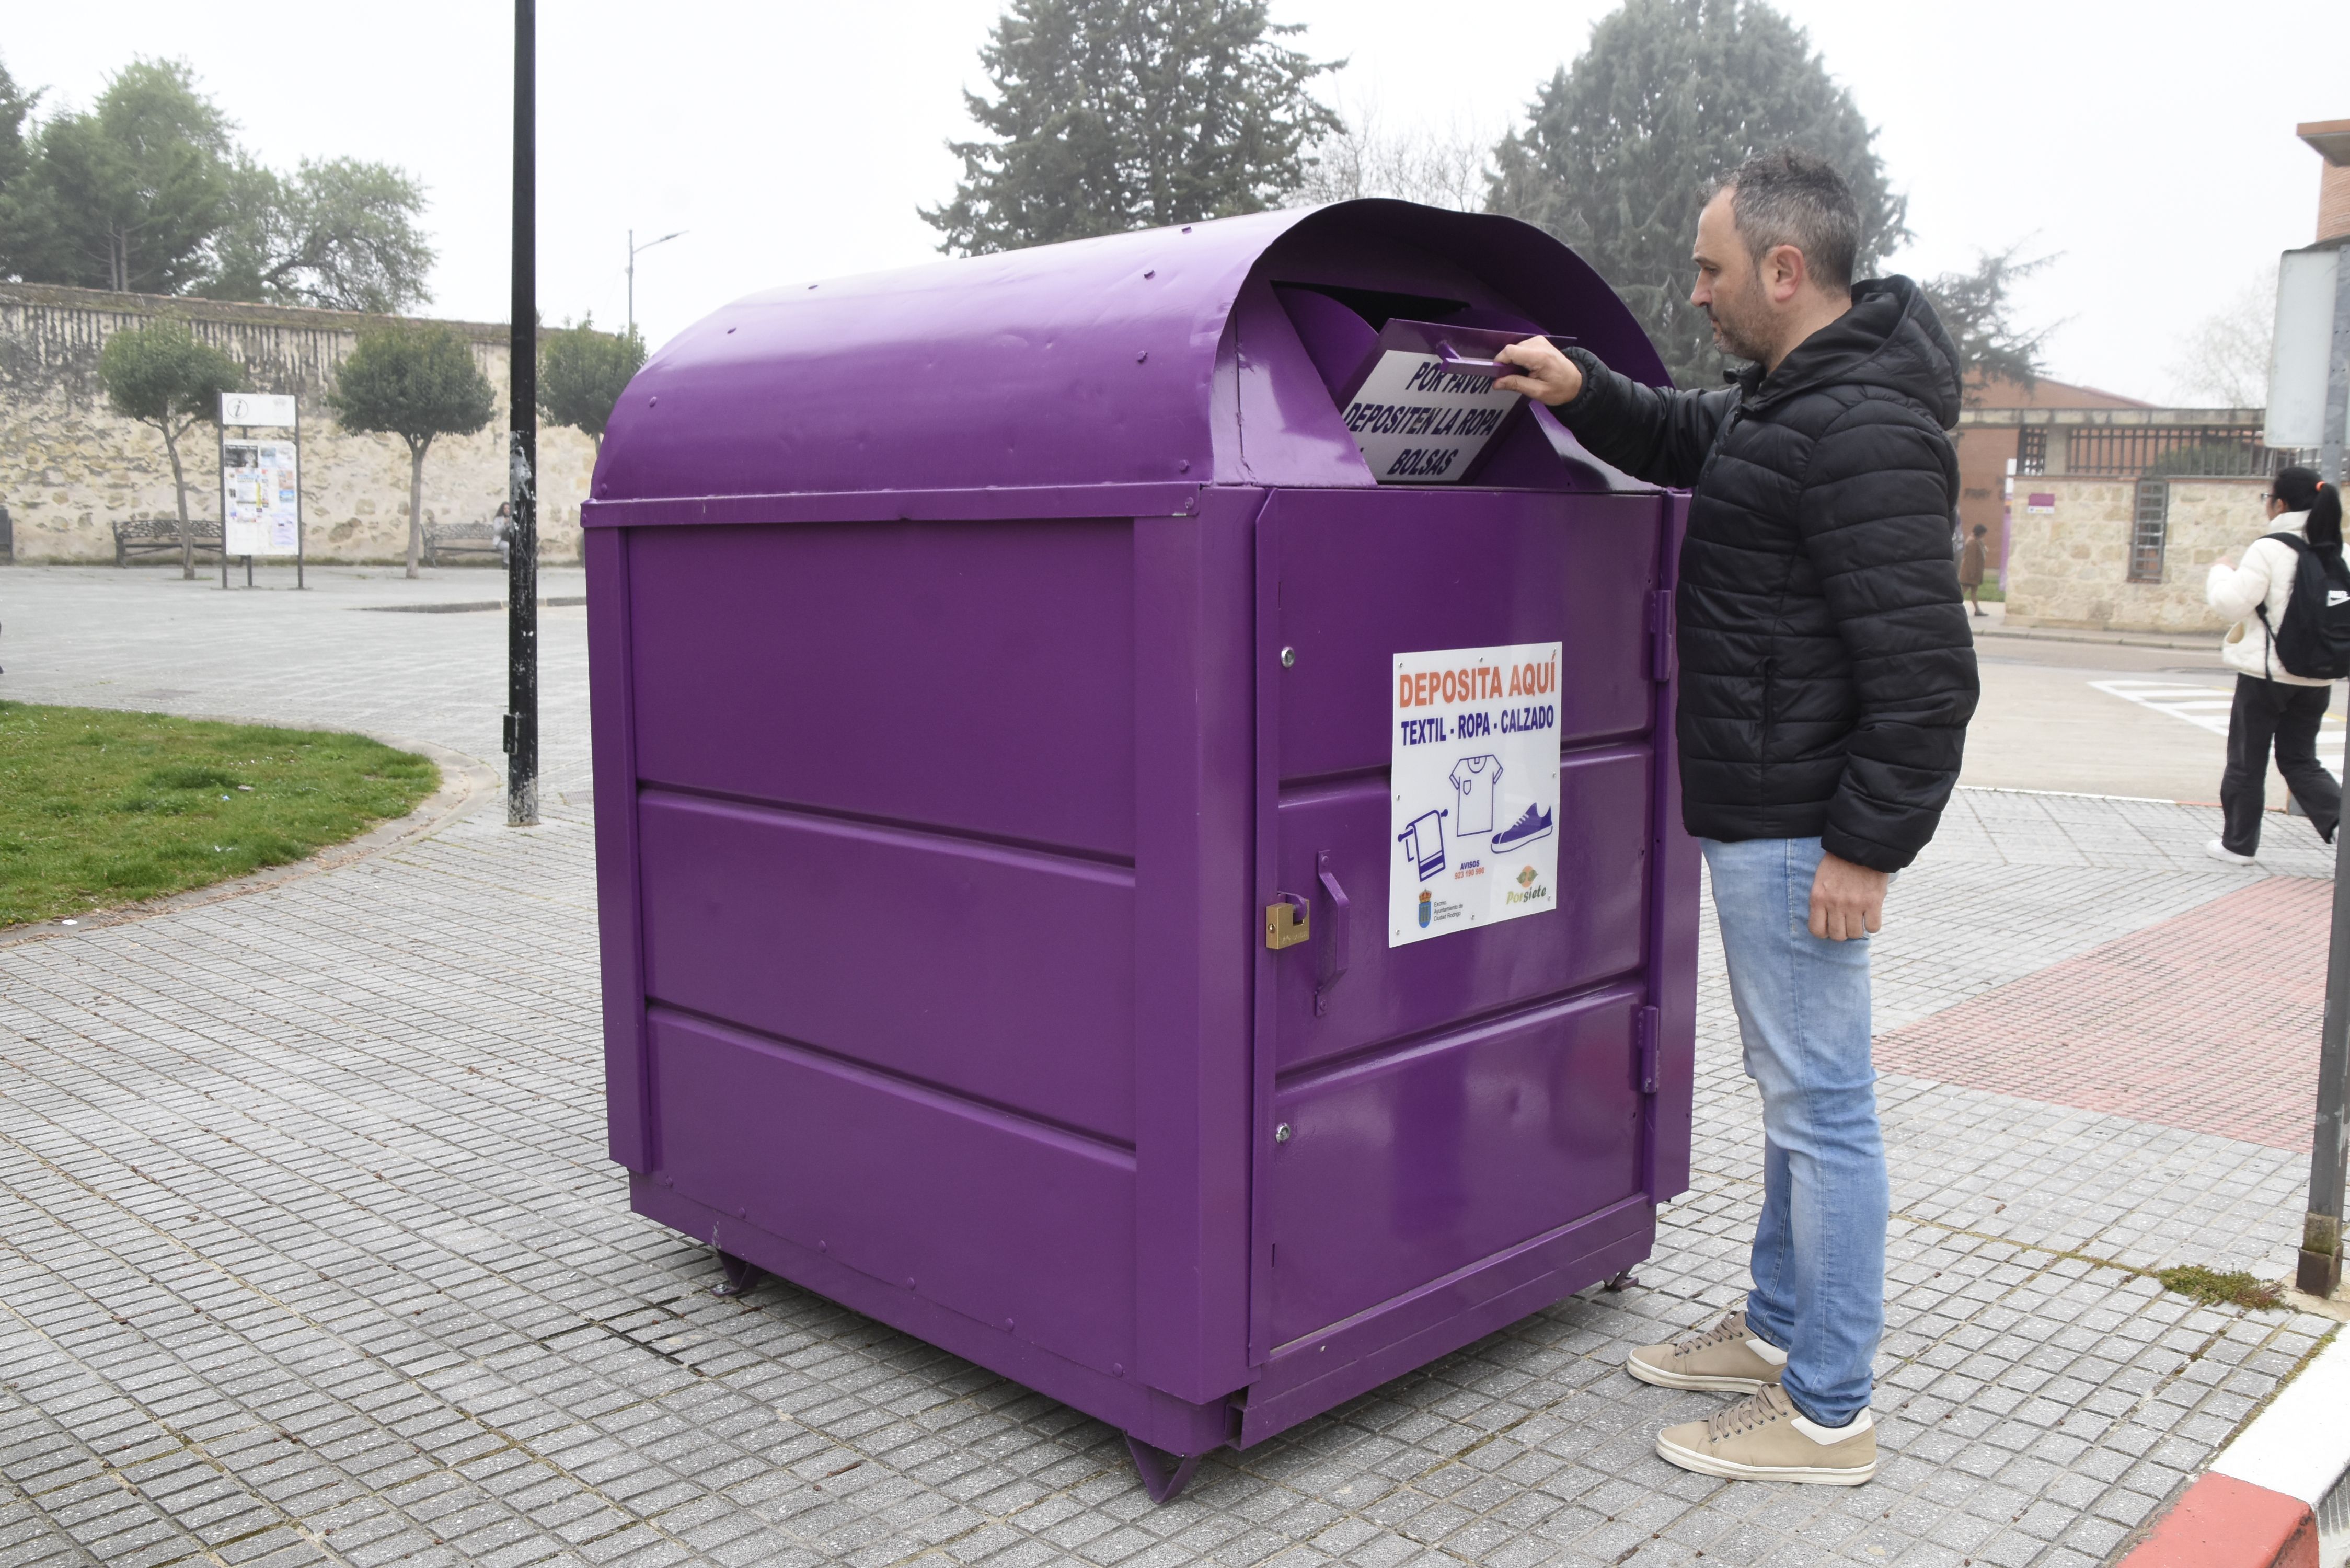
(2208, 1021)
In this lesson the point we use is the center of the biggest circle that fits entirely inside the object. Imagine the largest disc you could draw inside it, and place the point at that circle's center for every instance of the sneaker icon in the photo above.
(1535, 824)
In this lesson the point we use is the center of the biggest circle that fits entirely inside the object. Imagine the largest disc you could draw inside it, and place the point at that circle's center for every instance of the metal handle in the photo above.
(1451, 359)
(1333, 962)
(1490, 369)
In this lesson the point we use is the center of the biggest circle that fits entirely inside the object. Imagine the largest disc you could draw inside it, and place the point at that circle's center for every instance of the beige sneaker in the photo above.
(1725, 1357)
(1764, 1437)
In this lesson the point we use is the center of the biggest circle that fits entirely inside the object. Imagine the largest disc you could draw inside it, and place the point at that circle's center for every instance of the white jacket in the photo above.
(2265, 578)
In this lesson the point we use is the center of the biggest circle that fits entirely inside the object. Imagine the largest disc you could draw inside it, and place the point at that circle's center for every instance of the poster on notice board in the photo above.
(260, 483)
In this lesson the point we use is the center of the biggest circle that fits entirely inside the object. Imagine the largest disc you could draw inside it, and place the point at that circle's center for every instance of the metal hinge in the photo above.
(1287, 921)
(1643, 1048)
(1660, 635)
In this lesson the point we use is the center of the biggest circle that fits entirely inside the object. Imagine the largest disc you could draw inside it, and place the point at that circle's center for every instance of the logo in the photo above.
(1527, 877)
(1426, 908)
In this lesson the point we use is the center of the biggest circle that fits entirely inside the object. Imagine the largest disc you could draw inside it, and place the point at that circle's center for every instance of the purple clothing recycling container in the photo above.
(1137, 837)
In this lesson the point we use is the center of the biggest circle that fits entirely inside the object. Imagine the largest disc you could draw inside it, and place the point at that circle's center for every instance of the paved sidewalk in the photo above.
(340, 655)
(310, 1253)
(2208, 1021)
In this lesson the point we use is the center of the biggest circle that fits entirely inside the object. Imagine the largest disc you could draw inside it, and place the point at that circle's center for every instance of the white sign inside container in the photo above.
(1417, 414)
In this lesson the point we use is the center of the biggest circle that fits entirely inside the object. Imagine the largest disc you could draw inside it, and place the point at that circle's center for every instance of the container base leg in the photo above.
(1163, 1474)
(741, 1276)
(1623, 1281)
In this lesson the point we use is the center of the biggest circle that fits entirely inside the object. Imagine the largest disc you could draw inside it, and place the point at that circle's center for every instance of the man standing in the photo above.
(1828, 676)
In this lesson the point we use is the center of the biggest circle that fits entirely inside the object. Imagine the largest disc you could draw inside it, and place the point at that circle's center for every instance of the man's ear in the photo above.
(1784, 272)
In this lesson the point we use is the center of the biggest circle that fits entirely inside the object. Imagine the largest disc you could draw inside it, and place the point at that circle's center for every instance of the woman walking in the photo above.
(1972, 565)
(2272, 704)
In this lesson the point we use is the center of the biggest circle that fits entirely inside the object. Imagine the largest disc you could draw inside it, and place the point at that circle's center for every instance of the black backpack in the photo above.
(2315, 641)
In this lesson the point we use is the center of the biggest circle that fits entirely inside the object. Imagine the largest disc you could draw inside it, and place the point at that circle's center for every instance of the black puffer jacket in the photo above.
(1828, 674)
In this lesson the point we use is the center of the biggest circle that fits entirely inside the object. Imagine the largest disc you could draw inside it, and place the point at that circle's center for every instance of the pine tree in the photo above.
(17, 249)
(1624, 145)
(1977, 310)
(132, 192)
(1110, 115)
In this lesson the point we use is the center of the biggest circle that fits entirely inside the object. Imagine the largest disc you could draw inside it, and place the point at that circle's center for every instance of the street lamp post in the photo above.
(2319, 1268)
(633, 249)
(522, 458)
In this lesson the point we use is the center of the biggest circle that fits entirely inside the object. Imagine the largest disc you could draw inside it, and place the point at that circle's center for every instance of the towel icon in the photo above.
(1423, 843)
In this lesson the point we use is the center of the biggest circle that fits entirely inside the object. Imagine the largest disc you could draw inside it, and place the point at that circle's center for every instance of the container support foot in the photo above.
(1623, 1281)
(741, 1275)
(1163, 1474)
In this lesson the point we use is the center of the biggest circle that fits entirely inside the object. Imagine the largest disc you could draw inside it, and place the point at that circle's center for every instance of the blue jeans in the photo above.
(1803, 1015)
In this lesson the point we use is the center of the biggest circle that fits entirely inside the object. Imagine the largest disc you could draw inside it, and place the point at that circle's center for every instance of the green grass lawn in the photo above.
(100, 808)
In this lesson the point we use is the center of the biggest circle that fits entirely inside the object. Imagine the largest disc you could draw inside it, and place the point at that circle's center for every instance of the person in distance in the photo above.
(2274, 704)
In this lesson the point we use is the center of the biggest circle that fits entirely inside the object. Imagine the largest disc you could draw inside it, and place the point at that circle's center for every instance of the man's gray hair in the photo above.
(1791, 198)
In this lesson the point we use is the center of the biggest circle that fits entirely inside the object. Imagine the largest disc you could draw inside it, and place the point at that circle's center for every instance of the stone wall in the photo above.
(2070, 567)
(70, 466)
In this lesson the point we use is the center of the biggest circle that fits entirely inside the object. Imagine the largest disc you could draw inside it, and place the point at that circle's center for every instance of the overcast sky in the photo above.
(2149, 143)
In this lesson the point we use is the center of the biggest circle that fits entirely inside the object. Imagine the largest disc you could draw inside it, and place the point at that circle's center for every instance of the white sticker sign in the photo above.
(1475, 789)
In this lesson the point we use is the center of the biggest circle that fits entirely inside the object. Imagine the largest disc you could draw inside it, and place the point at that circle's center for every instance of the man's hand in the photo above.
(1550, 376)
(1847, 900)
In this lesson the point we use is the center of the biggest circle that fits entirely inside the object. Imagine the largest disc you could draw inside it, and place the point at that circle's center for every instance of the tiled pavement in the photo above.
(308, 1251)
(2207, 1020)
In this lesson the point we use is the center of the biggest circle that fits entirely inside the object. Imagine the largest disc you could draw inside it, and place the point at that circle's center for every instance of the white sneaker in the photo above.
(2219, 851)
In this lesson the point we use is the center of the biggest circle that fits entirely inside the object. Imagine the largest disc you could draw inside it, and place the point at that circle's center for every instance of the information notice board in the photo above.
(260, 483)
(261, 476)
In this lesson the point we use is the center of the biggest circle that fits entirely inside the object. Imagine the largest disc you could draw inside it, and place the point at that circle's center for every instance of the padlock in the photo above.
(1287, 921)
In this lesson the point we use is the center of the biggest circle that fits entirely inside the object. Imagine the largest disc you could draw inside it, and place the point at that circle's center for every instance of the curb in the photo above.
(2256, 1506)
(2200, 642)
(466, 781)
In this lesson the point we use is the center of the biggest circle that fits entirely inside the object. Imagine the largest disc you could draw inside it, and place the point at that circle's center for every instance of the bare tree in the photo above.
(2223, 361)
(1447, 167)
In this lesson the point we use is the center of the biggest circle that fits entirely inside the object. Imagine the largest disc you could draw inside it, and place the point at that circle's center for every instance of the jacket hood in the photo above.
(1891, 339)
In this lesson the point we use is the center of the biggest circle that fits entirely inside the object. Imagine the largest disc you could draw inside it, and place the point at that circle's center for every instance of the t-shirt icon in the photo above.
(1423, 843)
(1475, 778)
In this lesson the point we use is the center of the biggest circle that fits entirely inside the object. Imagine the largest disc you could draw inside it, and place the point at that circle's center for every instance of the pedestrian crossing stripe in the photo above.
(2208, 707)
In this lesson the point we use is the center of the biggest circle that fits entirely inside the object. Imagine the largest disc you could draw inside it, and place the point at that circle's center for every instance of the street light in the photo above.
(522, 451)
(633, 249)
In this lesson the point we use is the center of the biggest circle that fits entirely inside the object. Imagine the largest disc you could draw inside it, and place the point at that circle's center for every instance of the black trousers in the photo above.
(2266, 711)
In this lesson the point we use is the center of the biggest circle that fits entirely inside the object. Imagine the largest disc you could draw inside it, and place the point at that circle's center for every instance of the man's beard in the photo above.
(1732, 342)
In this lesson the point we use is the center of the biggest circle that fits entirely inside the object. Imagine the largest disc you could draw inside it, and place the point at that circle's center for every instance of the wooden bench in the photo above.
(161, 536)
(460, 539)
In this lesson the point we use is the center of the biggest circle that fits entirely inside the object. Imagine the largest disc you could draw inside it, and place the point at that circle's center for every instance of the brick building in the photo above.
(2330, 138)
(2116, 509)
(1986, 448)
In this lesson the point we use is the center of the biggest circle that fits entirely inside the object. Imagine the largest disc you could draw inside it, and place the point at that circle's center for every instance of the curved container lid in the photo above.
(1168, 357)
